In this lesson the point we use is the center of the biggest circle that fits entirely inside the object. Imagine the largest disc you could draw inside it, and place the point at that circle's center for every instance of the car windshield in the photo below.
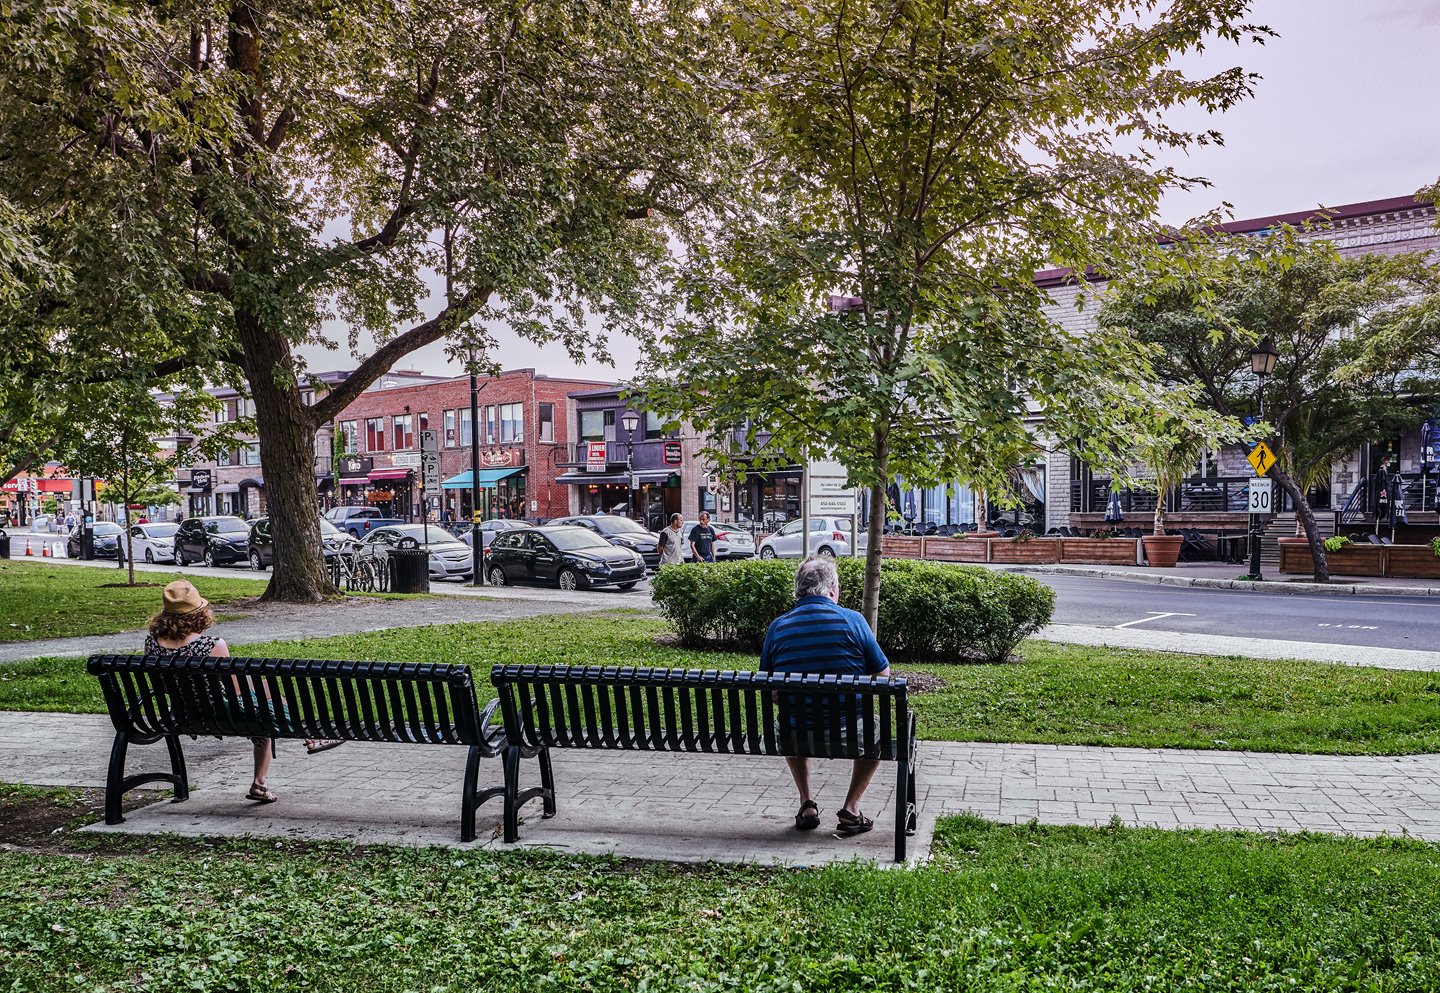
(619, 525)
(327, 528)
(438, 535)
(575, 539)
(107, 528)
(227, 525)
(159, 530)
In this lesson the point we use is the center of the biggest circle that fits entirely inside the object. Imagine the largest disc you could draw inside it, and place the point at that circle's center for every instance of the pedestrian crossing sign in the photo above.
(1262, 458)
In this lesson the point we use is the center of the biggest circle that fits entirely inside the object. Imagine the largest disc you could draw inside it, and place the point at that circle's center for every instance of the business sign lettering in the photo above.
(673, 453)
(595, 460)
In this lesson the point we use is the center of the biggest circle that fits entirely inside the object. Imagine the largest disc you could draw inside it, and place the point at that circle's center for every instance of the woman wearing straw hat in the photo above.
(178, 631)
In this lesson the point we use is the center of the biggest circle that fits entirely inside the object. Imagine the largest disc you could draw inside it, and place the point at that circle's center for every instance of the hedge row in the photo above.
(929, 611)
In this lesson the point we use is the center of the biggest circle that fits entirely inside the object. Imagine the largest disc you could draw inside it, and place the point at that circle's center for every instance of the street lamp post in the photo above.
(1262, 363)
(630, 420)
(477, 535)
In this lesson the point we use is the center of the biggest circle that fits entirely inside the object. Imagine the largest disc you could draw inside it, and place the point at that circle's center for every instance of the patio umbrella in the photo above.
(1113, 513)
(909, 505)
(1397, 501)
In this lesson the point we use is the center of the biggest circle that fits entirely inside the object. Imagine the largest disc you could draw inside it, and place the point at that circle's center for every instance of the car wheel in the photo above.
(149, 556)
(355, 533)
(255, 564)
(180, 558)
(568, 579)
(209, 559)
(629, 586)
(497, 576)
(767, 552)
(826, 551)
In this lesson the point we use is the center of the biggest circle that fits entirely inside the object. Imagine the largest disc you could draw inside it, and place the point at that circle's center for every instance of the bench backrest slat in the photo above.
(290, 698)
(703, 711)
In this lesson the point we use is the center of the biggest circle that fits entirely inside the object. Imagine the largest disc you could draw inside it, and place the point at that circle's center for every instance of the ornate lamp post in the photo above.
(1262, 363)
(630, 420)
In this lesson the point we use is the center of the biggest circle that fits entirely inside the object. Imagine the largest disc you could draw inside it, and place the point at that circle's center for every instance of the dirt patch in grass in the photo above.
(40, 818)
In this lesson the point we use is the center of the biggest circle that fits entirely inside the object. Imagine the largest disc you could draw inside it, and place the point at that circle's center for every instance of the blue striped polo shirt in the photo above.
(819, 636)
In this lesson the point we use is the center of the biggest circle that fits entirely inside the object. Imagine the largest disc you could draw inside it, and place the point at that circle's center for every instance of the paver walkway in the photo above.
(699, 808)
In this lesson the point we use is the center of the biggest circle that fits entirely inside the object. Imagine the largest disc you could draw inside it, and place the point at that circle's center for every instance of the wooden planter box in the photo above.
(1352, 560)
(1036, 551)
(956, 550)
(1412, 561)
(900, 546)
(1098, 551)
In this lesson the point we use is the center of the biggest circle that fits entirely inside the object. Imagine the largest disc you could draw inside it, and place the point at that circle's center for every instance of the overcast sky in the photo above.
(1344, 113)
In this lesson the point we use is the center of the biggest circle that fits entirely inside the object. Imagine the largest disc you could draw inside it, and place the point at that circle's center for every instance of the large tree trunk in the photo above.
(870, 601)
(1306, 516)
(287, 458)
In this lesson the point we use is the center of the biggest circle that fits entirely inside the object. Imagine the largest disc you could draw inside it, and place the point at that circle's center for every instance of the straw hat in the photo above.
(183, 598)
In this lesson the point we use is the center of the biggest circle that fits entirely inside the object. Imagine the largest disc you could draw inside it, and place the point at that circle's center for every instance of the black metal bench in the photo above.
(712, 712)
(151, 698)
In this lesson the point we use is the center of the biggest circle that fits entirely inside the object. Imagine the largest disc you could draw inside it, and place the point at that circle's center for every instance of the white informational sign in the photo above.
(712, 485)
(829, 486)
(405, 460)
(429, 462)
(1261, 495)
(832, 506)
(595, 460)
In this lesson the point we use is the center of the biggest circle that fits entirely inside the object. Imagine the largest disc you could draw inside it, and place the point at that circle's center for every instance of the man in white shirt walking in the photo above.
(672, 550)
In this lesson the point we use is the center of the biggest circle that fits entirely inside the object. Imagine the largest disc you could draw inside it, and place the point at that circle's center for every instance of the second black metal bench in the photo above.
(710, 712)
(150, 699)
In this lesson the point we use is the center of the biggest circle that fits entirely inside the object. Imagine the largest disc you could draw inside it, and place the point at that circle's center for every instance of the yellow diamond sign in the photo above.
(1261, 458)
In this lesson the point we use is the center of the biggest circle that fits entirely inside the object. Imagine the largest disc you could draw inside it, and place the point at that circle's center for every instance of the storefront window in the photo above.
(653, 427)
(451, 438)
(512, 422)
(374, 434)
(592, 425)
(547, 421)
(250, 454)
(404, 432)
(350, 437)
(490, 424)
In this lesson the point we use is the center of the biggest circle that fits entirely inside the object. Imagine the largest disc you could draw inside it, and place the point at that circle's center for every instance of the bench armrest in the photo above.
(492, 734)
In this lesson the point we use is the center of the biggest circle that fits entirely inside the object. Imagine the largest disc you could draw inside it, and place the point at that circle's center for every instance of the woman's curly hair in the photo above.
(177, 627)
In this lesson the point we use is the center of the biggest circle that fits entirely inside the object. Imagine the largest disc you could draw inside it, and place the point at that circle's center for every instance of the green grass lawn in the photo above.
(999, 909)
(1061, 694)
(39, 600)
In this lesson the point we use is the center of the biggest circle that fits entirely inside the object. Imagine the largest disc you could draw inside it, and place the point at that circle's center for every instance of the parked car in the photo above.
(731, 540)
(212, 540)
(619, 531)
(828, 536)
(107, 541)
(571, 557)
(449, 558)
(489, 529)
(359, 521)
(153, 542)
(261, 550)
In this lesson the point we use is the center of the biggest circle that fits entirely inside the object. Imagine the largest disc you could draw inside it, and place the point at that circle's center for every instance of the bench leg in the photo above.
(468, 802)
(177, 768)
(903, 805)
(512, 794)
(115, 779)
(547, 783)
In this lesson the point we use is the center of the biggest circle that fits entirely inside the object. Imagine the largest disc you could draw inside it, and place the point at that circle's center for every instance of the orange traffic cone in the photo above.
(27, 547)
(45, 550)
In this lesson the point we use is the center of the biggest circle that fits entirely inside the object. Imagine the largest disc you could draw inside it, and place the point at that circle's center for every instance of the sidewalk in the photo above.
(1222, 576)
(703, 808)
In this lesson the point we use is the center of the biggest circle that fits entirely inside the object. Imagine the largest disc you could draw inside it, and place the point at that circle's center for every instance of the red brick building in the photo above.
(525, 423)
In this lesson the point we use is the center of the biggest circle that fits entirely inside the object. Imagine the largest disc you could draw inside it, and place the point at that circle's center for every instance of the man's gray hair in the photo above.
(816, 577)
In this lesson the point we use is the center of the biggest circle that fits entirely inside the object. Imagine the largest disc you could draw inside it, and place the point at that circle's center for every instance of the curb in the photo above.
(1281, 589)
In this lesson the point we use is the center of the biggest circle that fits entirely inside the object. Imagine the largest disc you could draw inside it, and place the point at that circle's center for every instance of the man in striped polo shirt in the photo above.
(819, 636)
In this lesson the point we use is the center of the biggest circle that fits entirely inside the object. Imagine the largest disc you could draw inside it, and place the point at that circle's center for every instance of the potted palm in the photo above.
(1170, 442)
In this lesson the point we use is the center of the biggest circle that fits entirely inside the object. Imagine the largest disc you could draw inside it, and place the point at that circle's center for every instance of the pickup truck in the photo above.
(359, 521)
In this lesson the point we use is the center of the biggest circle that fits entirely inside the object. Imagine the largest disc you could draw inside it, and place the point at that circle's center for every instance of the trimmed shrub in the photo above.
(929, 611)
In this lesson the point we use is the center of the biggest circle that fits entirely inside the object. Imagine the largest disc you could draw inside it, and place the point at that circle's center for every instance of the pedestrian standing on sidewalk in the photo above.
(672, 547)
(702, 540)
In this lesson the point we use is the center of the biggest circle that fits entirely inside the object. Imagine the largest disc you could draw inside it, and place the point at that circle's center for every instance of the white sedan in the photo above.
(154, 542)
(732, 541)
(828, 536)
(449, 558)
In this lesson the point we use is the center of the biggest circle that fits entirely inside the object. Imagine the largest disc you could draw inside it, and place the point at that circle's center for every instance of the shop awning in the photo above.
(389, 474)
(488, 478)
(258, 483)
(589, 478)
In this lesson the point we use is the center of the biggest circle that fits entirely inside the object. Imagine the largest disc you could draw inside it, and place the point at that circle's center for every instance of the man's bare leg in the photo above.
(800, 772)
(860, 775)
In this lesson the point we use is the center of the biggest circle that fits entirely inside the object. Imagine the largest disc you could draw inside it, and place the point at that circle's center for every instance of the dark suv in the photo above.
(212, 540)
(262, 543)
(621, 532)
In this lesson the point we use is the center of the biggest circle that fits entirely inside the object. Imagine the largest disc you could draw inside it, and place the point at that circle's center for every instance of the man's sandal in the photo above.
(856, 823)
(261, 793)
(807, 822)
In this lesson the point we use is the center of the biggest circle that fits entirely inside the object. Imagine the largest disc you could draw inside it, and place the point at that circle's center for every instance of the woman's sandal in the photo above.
(261, 793)
(807, 822)
(313, 745)
(849, 823)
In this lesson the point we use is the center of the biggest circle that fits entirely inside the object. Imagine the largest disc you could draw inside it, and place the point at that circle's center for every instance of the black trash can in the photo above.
(4, 544)
(409, 570)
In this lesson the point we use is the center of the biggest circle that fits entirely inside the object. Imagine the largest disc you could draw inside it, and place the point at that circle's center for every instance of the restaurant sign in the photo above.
(674, 454)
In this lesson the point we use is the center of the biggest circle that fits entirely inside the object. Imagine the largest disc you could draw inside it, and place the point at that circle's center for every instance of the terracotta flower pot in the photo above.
(1162, 551)
(982, 534)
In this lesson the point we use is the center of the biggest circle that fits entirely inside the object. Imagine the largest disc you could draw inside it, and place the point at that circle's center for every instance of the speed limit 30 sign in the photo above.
(1261, 496)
